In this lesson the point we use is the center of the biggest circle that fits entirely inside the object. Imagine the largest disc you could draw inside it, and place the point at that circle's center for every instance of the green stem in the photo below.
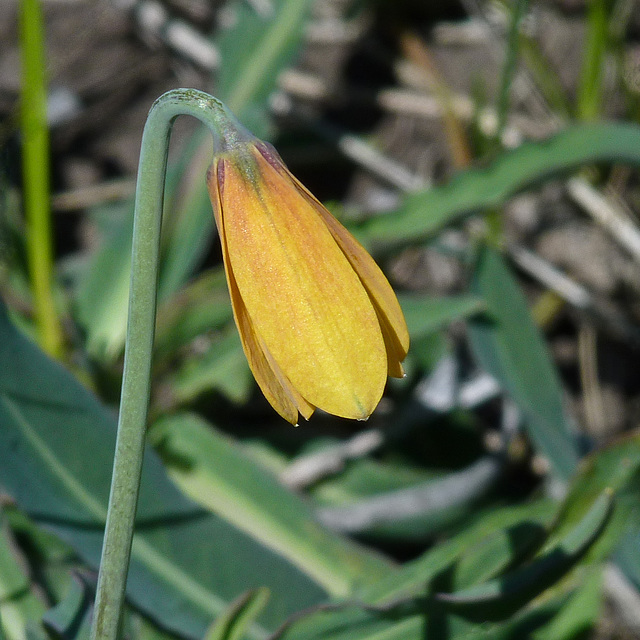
(35, 172)
(590, 91)
(134, 401)
(509, 69)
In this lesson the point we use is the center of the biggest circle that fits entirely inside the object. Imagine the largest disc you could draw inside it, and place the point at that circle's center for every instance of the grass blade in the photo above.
(35, 172)
(425, 212)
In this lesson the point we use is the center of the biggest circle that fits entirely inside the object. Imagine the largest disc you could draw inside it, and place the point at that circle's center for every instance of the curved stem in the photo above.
(134, 400)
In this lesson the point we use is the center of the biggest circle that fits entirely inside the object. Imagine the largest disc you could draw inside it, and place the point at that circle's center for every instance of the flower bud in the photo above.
(318, 320)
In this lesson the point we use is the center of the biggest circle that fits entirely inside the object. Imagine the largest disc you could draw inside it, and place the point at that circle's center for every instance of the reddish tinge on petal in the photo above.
(319, 323)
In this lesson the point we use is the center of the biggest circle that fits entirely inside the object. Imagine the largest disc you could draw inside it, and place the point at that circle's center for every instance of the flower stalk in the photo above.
(123, 499)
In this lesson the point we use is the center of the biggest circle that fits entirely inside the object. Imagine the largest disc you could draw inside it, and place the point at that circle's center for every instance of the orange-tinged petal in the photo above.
(392, 322)
(306, 303)
(274, 385)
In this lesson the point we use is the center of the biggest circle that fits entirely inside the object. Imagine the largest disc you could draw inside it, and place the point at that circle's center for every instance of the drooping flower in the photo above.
(319, 322)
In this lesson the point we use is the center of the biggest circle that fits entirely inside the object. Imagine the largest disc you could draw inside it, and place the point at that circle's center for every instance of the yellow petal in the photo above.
(307, 305)
(390, 316)
(274, 385)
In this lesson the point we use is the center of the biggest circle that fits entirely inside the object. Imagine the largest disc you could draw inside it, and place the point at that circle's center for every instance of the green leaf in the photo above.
(497, 552)
(627, 556)
(371, 513)
(231, 625)
(20, 610)
(425, 212)
(57, 445)
(416, 619)
(70, 619)
(102, 298)
(398, 607)
(521, 625)
(200, 307)
(355, 622)
(254, 50)
(214, 472)
(615, 468)
(56, 561)
(579, 615)
(508, 345)
(365, 478)
(414, 578)
(504, 595)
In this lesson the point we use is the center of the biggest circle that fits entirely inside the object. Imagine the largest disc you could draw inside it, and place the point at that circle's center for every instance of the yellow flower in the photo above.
(319, 322)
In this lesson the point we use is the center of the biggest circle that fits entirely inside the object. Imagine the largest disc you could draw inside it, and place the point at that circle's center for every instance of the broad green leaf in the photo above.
(521, 625)
(214, 472)
(231, 625)
(407, 611)
(508, 345)
(57, 444)
(420, 620)
(399, 607)
(424, 621)
(20, 610)
(413, 615)
(425, 212)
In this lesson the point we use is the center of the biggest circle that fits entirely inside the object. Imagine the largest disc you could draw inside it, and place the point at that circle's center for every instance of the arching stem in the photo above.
(134, 401)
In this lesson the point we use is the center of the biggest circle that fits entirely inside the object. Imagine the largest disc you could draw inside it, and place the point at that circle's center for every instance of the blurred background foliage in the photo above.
(487, 153)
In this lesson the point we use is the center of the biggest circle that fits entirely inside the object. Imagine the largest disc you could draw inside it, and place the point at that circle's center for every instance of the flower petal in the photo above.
(392, 322)
(274, 385)
(304, 299)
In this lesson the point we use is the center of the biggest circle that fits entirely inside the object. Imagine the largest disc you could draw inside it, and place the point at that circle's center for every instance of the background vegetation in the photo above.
(487, 154)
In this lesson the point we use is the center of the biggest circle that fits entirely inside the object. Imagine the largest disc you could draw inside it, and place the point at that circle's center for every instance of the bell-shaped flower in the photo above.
(318, 320)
